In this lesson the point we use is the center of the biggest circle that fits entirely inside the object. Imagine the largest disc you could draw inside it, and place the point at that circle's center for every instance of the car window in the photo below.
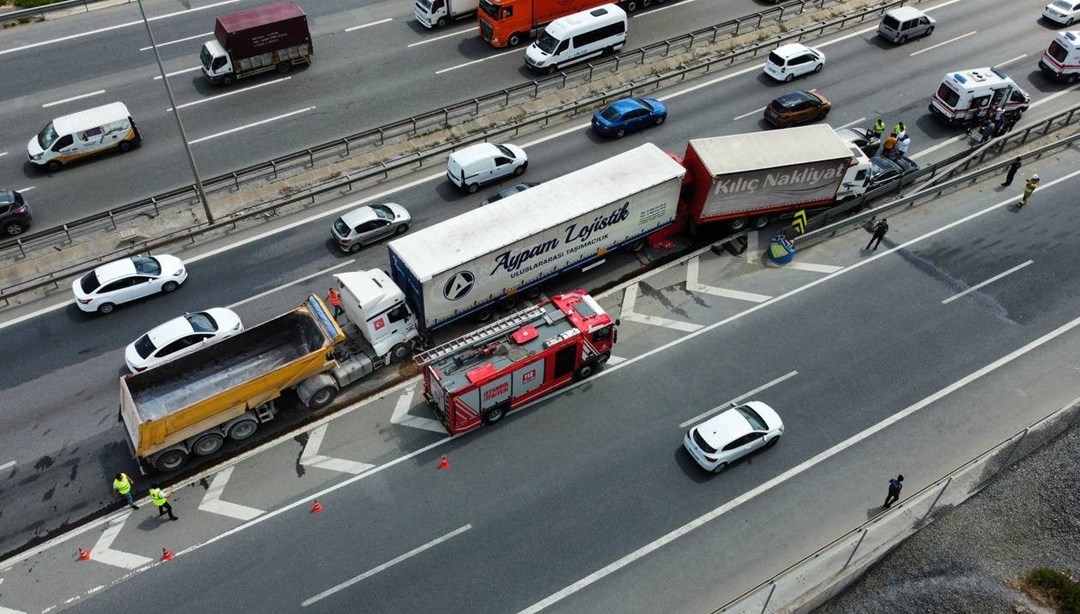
(1016, 96)
(890, 22)
(179, 344)
(89, 282)
(119, 284)
(800, 59)
(367, 227)
(147, 265)
(63, 142)
(611, 114)
(738, 443)
(500, 161)
(774, 58)
(4, 209)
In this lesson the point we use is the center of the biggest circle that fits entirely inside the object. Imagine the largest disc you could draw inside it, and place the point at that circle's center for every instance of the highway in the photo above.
(609, 484)
(373, 65)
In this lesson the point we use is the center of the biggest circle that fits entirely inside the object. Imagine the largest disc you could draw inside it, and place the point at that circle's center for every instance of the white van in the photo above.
(1061, 60)
(905, 23)
(974, 95)
(482, 163)
(578, 37)
(82, 134)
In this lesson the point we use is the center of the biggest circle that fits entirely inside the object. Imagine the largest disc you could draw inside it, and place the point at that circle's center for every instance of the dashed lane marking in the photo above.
(738, 399)
(976, 286)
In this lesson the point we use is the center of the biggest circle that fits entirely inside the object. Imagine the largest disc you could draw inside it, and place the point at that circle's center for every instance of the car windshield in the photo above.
(146, 265)
(341, 227)
(880, 165)
(755, 419)
(611, 114)
(789, 101)
(489, 9)
(89, 282)
(1064, 5)
(704, 445)
(201, 322)
(425, 4)
(206, 58)
(47, 136)
(383, 212)
(547, 43)
(144, 346)
(506, 151)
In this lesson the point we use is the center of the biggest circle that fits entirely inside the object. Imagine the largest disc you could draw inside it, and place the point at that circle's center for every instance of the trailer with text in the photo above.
(256, 40)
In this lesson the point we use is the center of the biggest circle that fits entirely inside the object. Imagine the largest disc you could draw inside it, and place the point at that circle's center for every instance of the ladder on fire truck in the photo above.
(481, 334)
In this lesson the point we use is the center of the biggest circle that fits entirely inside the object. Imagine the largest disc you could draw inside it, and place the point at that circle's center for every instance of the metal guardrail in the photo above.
(186, 197)
(49, 8)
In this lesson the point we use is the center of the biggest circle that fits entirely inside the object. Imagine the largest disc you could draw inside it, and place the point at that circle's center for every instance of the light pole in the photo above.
(179, 122)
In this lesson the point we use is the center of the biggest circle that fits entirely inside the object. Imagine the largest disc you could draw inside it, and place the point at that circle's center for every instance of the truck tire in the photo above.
(737, 224)
(584, 371)
(284, 67)
(170, 460)
(441, 23)
(318, 391)
(399, 352)
(760, 221)
(493, 414)
(513, 40)
(637, 246)
(472, 188)
(630, 6)
(207, 444)
(242, 428)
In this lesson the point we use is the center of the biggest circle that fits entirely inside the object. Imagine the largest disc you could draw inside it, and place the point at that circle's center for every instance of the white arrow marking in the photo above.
(813, 268)
(401, 416)
(103, 553)
(614, 360)
(627, 313)
(312, 458)
(4, 610)
(212, 501)
(693, 286)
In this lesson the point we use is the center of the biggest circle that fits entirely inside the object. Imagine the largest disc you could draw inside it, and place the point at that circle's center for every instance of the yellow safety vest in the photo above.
(123, 485)
(158, 496)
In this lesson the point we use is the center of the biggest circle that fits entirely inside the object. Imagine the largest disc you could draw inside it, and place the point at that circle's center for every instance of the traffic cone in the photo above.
(84, 555)
(316, 507)
(166, 554)
(443, 463)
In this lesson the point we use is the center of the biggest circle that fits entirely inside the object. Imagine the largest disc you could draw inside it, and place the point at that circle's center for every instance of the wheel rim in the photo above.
(243, 429)
(169, 286)
(208, 445)
(106, 308)
(495, 415)
(322, 397)
(13, 229)
(170, 460)
(355, 247)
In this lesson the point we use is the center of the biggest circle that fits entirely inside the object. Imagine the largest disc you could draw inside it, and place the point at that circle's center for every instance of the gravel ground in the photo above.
(969, 559)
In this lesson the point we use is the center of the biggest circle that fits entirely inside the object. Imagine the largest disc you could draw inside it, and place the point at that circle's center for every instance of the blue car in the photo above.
(628, 115)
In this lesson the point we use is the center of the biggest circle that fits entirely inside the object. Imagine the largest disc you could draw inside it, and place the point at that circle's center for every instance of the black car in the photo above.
(510, 191)
(15, 213)
(884, 170)
(864, 139)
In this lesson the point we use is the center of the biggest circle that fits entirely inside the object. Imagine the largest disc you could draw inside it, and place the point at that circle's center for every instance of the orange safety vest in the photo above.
(334, 298)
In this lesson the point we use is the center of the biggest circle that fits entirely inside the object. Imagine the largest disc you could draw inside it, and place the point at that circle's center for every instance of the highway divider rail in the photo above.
(122, 222)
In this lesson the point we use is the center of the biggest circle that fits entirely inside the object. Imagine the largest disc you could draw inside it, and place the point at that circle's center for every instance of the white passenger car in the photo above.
(181, 336)
(732, 434)
(1065, 12)
(795, 60)
(112, 284)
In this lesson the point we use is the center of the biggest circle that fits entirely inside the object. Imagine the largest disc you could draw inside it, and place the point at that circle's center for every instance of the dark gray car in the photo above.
(15, 214)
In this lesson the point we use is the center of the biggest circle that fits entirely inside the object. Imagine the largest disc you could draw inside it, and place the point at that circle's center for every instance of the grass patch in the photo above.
(31, 4)
(1058, 588)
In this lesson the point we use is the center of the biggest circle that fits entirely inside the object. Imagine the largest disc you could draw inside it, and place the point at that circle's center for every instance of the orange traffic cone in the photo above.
(316, 507)
(84, 555)
(443, 463)
(166, 554)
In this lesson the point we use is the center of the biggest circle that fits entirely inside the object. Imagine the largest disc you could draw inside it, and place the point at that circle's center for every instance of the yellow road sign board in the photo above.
(799, 223)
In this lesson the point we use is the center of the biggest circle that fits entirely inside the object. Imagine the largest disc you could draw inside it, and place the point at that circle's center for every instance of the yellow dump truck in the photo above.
(190, 405)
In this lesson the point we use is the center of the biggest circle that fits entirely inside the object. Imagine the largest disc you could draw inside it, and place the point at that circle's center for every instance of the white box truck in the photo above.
(466, 264)
(437, 13)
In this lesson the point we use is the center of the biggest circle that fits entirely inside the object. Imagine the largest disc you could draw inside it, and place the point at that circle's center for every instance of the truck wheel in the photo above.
(630, 6)
(485, 315)
(284, 67)
(603, 358)
(514, 39)
(54, 165)
(227, 80)
(737, 224)
(242, 429)
(399, 352)
(441, 23)
(124, 146)
(637, 246)
(170, 460)
(493, 415)
(584, 371)
(207, 444)
(760, 222)
(322, 397)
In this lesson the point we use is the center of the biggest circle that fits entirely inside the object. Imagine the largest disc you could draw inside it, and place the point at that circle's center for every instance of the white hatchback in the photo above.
(795, 60)
(111, 284)
(1065, 12)
(732, 434)
(181, 336)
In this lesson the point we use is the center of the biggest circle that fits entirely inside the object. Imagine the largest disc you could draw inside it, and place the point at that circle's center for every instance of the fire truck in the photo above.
(479, 377)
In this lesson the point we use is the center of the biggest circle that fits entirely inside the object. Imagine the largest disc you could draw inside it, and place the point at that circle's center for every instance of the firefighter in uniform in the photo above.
(1029, 188)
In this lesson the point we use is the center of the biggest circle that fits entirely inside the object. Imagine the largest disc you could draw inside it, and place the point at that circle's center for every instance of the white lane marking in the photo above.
(386, 565)
(738, 399)
(178, 72)
(614, 360)
(251, 125)
(368, 25)
(103, 553)
(212, 501)
(402, 417)
(239, 91)
(692, 285)
(490, 57)
(942, 43)
(291, 283)
(179, 40)
(7, 465)
(310, 457)
(751, 247)
(3, 153)
(745, 115)
(436, 38)
(1007, 62)
(26, 189)
(661, 8)
(116, 27)
(793, 472)
(853, 122)
(627, 313)
(813, 268)
(4, 610)
(79, 97)
(988, 281)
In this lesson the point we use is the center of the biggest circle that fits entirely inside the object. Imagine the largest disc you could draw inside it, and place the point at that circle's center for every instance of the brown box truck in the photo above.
(256, 40)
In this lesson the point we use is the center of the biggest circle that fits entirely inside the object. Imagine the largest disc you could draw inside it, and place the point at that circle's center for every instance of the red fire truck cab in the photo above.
(479, 377)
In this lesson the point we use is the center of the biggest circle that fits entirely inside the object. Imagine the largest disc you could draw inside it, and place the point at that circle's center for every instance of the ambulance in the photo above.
(968, 96)
(1061, 60)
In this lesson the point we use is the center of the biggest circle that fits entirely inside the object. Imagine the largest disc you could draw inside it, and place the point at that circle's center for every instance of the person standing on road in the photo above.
(334, 298)
(1029, 188)
(895, 485)
(878, 129)
(122, 485)
(1011, 172)
(902, 146)
(888, 146)
(899, 130)
(161, 501)
(880, 229)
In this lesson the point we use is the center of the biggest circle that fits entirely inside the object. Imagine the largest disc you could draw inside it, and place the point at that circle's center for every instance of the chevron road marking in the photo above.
(402, 417)
(627, 313)
(311, 457)
(212, 500)
(692, 285)
(4, 610)
(103, 553)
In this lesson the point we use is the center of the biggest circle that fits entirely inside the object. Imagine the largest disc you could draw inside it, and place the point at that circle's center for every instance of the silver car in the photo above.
(368, 224)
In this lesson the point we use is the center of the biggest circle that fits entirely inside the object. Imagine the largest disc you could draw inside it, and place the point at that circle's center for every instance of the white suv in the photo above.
(794, 60)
